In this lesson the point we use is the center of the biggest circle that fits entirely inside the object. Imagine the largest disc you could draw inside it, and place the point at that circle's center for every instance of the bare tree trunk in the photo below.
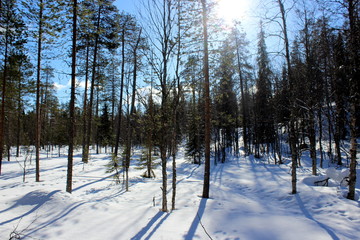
(85, 157)
(117, 138)
(85, 110)
(320, 137)
(206, 187)
(72, 103)
(18, 130)
(132, 112)
(38, 93)
(354, 92)
(244, 123)
(292, 129)
(312, 139)
(3, 96)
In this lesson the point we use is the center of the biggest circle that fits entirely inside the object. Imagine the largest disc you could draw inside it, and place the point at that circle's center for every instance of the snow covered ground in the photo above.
(250, 199)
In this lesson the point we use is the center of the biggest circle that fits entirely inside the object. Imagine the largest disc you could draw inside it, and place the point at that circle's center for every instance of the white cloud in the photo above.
(59, 86)
(79, 84)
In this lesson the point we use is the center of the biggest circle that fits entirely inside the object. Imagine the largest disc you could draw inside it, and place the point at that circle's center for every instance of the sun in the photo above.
(230, 10)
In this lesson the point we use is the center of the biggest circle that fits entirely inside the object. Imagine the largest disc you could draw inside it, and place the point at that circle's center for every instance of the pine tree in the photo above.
(45, 14)
(72, 100)
(225, 103)
(105, 32)
(195, 126)
(264, 121)
(341, 92)
(243, 70)
(12, 43)
(206, 187)
(104, 127)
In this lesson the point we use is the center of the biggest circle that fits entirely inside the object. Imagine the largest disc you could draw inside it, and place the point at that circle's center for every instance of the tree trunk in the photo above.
(3, 96)
(206, 187)
(354, 93)
(72, 103)
(117, 138)
(19, 127)
(320, 137)
(85, 110)
(244, 123)
(312, 139)
(132, 113)
(292, 129)
(38, 93)
(85, 157)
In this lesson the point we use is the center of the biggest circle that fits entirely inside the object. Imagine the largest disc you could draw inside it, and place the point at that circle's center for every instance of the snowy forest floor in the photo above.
(250, 199)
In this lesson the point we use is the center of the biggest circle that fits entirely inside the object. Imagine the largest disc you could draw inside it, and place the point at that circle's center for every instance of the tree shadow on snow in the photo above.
(309, 216)
(36, 198)
(197, 220)
(162, 216)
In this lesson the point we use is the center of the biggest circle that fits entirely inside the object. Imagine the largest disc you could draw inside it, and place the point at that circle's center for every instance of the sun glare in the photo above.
(230, 10)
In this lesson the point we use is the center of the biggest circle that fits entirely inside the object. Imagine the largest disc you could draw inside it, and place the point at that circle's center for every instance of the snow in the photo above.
(250, 199)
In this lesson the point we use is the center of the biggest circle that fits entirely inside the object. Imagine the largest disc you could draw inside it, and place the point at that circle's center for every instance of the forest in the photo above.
(176, 76)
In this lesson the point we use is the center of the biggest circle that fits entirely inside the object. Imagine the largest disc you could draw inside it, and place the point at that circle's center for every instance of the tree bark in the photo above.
(3, 96)
(292, 129)
(38, 93)
(206, 187)
(118, 129)
(244, 123)
(85, 157)
(72, 102)
(354, 94)
(85, 110)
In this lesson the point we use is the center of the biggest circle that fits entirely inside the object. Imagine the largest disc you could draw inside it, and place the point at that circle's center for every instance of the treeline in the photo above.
(309, 99)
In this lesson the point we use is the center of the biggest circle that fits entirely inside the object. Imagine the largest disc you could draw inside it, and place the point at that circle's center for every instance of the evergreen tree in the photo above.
(225, 100)
(243, 70)
(104, 127)
(72, 116)
(264, 119)
(195, 123)
(104, 35)
(11, 44)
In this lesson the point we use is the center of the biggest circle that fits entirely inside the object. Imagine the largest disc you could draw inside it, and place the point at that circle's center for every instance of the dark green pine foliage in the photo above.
(264, 119)
(195, 143)
(150, 122)
(104, 136)
(341, 93)
(19, 86)
(225, 100)
(12, 40)
(195, 123)
(101, 17)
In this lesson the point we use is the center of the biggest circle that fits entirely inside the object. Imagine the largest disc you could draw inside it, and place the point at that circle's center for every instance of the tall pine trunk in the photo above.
(38, 93)
(85, 157)
(3, 96)
(118, 129)
(312, 139)
(72, 102)
(206, 187)
(244, 122)
(292, 130)
(85, 107)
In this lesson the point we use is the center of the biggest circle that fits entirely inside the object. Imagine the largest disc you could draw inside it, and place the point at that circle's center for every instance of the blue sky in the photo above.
(62, 82)
(126, 5)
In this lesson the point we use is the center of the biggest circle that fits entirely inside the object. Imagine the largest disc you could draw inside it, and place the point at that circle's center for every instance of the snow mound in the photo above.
(319, 181)
(339, 176)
